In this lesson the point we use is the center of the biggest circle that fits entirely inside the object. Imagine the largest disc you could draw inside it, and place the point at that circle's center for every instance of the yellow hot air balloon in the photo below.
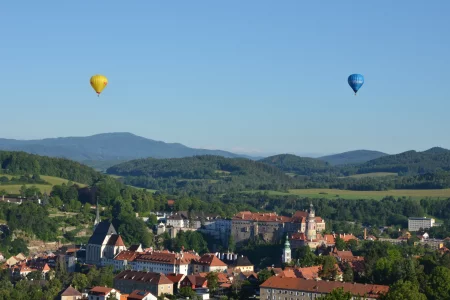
(98, 83)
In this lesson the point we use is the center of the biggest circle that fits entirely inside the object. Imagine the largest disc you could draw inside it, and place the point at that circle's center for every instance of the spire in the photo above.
(286, 243)
(97, 216)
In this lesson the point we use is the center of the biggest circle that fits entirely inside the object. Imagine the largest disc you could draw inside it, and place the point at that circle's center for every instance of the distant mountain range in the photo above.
(102, 151)
(107, 149)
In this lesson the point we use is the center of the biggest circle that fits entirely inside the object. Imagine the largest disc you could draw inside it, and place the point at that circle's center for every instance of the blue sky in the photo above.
(247, 76)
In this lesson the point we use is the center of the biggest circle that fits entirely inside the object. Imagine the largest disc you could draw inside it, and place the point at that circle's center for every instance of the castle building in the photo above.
(271, 227)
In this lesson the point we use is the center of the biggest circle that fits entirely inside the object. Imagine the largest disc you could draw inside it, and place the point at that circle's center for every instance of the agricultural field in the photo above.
(378, 195)
(44, 188)
(376, 174)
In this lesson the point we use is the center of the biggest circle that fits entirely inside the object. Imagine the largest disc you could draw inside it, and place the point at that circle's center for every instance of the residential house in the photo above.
(345, 256)
(71, 294)
(141, 295)
(238, 263)
(176, 279)
(157, 283)
(194, 282)
(102, 293)
(208, 263)
(301, 289)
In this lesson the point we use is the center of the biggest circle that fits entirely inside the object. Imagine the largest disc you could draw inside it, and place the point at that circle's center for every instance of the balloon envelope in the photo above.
(355, 81)
(98, 83)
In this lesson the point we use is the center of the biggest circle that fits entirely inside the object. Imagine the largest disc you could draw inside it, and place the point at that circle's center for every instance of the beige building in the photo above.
(208, 263)
(302, 289)
(156, 283)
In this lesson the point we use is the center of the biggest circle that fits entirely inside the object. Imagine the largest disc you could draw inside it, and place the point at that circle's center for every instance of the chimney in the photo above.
(365, 233)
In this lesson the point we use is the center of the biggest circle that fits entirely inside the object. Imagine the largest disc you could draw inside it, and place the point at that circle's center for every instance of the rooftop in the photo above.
(300, 284)
(149, 277)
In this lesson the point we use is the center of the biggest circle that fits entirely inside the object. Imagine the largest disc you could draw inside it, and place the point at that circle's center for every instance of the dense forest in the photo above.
(215, 175)
(298, 165)
(24, 163)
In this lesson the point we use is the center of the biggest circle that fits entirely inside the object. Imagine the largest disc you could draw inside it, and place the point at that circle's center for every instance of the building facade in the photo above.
(415, 224)
(104, 244)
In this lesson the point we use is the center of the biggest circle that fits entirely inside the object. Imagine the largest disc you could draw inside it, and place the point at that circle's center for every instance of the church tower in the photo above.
(311, 232)
(287, 251)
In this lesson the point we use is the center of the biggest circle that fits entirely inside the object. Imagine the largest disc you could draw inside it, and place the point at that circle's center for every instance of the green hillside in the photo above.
(24, 163)
(211, 174)
(410, 162)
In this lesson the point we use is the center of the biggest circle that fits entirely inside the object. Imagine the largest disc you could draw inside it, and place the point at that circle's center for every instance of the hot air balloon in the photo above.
(98, 83)
(355, 81)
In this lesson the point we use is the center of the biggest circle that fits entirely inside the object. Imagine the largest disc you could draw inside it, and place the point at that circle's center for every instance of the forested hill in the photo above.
(21, 163)
(214, 174)
(352, 157)
(410, 162)
(296, 164)
(106, 149)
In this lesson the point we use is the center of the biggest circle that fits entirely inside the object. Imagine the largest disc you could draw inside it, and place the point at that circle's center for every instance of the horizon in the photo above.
(252, 154)
(256, 77)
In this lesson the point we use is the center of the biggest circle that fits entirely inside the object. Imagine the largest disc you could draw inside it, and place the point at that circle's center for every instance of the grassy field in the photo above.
(47, 188)
(334, 193)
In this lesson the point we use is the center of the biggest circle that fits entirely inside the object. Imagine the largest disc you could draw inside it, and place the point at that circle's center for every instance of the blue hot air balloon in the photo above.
(355, 81)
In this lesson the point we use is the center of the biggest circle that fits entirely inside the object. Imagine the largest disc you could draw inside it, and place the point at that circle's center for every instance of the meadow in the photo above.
(44, 188)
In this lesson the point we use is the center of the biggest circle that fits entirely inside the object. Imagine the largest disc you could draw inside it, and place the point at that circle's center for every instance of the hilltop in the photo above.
(410, 162)
(107, 149)
(212, 174)
(295, 164)
(352, 157)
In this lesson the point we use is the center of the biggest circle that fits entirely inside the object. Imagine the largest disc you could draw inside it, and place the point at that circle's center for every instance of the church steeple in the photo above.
(97, 216)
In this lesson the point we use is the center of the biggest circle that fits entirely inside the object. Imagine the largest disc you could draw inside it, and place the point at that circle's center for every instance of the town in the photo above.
(150, 273)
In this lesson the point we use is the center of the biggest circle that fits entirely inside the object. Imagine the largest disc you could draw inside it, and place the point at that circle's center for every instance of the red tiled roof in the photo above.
(116, 240)
(100, 290)
(138, 295)
(262, 217)
(300, 284)
(195, 280)
(71, 292)
(170, 202)
(308, 272)
(148, 277)
(175, 278)
(127, 255)
(287, 273)
(211, 260)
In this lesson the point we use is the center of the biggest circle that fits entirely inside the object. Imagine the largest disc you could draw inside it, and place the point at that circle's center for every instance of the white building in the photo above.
(156, 261)
(415, 224)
